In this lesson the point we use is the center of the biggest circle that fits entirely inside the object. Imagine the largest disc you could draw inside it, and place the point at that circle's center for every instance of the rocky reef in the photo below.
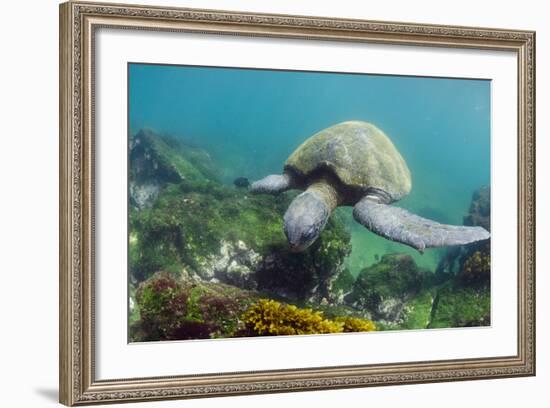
(156, 161)
(194, 226)
(172, 308)
(464, 299)
(395, 292)
(209, 260)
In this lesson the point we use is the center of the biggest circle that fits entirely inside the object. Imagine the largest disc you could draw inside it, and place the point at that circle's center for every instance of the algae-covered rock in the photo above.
(157, 160)
(162, 305)
(342, 286)
(465, 299)
(476, 269)
(176, 308)
(417, 311)
(179, 308)
(384, 288)
(459, 306)
(398, 295)
(479, 214)
(236, 264)
(219, 233)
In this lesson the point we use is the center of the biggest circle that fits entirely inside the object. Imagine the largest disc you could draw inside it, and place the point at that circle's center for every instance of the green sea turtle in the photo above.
(355, 164)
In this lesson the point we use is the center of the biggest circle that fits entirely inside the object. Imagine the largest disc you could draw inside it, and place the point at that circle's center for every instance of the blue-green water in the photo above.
(251, 120)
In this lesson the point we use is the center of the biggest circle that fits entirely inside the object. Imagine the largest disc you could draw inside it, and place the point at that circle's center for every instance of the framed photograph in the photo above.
(256, 203)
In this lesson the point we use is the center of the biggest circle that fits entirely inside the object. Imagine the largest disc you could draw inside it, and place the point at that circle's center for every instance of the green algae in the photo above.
(418, 311)
(457, 306)
(396, 275)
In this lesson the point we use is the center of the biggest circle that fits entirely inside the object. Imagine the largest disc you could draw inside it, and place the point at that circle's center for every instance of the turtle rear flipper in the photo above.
(397, 224)
(273, 184)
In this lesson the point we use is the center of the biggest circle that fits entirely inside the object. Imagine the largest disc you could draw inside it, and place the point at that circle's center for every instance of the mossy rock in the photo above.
(383, 288)
(476, 268)
(179, 308)
(168, 160)
(176, 308)
(186, 229)
(479, 213)
(458, 306)
(221, 233)
(343, 285)
(156, 160)
(458, 260)
(417, 311)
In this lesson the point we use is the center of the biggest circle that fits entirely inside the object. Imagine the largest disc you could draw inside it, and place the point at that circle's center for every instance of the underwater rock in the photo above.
(479, 214)
(144, 195)
(235, 264)
(461, 306)
(156, 160)
(417, 311)
(216, 232)
(476, 269)
(414, 299)
(162, 303)
(342, 286)
(172, 308)
(480, 209)
(386, 288)
(464, 300)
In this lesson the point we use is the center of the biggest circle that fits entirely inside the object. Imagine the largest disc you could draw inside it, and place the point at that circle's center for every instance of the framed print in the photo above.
(258, 203)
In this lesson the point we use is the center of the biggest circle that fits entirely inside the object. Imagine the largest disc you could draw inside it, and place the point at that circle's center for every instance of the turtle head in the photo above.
(304, 220)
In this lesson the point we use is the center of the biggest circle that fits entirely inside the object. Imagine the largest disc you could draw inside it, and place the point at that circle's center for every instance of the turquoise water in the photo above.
(251, 120)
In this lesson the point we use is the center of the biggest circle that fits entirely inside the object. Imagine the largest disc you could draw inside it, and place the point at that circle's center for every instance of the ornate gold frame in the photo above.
(78, 22)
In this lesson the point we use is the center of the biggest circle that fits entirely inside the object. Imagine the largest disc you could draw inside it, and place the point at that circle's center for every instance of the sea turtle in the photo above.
(355, 164)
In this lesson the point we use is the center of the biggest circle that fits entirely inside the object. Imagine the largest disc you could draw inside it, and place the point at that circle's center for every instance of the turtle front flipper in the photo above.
(273, 184)
(397, 224)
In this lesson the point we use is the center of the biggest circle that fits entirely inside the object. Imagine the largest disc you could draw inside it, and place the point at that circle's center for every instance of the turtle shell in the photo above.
(359, 154)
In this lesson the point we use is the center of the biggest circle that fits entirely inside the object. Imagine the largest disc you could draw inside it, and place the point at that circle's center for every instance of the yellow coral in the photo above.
(355, 324)
(271, 318)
